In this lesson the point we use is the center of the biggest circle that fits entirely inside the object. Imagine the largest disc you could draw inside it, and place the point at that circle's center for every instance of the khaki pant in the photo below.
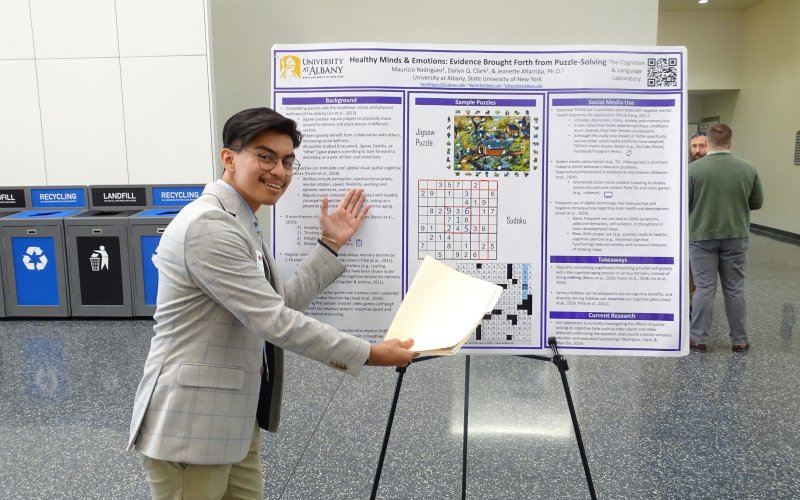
(177, 481)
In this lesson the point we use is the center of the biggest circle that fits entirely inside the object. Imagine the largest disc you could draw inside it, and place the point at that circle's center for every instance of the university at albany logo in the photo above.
(290, 67)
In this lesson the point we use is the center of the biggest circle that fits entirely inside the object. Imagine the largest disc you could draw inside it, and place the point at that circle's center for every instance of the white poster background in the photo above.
(558, 173)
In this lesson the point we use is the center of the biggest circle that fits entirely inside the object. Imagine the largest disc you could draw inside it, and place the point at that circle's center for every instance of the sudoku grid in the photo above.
(457, 219)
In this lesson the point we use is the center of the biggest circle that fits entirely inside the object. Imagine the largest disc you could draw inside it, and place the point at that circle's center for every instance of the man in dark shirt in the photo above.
(697, 150)
(723, 189)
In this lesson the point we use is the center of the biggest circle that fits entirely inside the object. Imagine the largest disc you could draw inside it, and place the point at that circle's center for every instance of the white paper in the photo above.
(442, 307)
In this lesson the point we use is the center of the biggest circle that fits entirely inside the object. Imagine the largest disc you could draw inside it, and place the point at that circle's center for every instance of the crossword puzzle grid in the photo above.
(457, 220)
(512, 318)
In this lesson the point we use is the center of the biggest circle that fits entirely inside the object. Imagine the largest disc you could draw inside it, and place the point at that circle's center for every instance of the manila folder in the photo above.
(442, 308)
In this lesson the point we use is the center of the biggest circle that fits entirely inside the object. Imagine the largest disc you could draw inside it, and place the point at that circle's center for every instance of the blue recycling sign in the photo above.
(35, 271)
(149, 269)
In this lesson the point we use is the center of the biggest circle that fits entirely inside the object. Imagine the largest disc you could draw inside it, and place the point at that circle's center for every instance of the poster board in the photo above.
(558, 173)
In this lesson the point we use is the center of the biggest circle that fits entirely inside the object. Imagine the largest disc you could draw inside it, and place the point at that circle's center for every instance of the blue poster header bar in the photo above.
(615, 102)
(615, 316)
(360, 99)
(586, 259)
(438, 101)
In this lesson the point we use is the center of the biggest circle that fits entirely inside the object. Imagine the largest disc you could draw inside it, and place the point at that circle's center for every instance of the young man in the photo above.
(210, 380)
(723, 189)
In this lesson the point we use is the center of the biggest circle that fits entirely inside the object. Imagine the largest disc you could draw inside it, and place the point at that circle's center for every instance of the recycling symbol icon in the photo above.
(34, 259)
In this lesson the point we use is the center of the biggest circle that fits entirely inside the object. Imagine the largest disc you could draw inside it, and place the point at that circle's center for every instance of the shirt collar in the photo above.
(718, 151)
(228, 186)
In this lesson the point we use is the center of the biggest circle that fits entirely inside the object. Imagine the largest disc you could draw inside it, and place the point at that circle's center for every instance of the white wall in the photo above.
(756, 51)
(767, 113)
(713, 42)
(245, 30)
(104, 92)
(721, 103)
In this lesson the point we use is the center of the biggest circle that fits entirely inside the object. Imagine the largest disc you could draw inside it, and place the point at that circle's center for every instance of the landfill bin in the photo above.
(97, 252)
(34, 264)
(146, 228)
(12, 200)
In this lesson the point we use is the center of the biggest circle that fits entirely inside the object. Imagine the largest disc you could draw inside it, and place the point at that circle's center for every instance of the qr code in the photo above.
(662, 72)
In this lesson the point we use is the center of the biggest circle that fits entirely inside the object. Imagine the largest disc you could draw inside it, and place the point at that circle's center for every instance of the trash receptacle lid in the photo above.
(105, 213)
(159, 212)
(43, 214)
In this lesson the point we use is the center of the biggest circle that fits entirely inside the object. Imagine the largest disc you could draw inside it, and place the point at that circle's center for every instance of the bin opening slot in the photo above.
(42, 214)
(169, 212)
(106, 213)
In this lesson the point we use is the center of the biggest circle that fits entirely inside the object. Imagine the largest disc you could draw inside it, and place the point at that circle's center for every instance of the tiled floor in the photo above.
(714, 425)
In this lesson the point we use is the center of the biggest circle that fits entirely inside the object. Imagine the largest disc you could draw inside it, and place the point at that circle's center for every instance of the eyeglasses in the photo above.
(267, 161)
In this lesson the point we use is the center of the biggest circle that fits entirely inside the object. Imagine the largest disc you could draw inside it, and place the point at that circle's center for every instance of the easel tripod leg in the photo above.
(561, 363)
(466, 431)
(376, 481)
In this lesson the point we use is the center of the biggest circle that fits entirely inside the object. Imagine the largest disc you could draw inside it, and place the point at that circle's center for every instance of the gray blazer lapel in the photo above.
(277, 283)
(233, 204)
(277, 375)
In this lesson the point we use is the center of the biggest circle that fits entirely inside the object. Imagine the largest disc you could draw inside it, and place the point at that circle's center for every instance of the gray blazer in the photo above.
(197, 399)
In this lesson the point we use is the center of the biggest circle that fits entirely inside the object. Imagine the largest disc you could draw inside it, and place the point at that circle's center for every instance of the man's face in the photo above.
(697, 148)
(244, 172)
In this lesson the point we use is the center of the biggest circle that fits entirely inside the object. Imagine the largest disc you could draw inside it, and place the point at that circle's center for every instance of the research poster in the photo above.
(558, 173)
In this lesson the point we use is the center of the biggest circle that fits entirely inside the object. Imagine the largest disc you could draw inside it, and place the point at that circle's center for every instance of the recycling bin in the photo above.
(12, 200)
(97, 252)
(146, 228)
(35, 277)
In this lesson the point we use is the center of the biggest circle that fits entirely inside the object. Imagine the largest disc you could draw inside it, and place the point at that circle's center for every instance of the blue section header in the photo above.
(58, 198)
(615, 316)
(175, 196)
(615, 102)
(586, 259)
(437, 101)
(369, 99)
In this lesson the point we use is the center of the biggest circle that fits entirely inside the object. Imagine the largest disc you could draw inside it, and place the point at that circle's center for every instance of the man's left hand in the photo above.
(338, 227)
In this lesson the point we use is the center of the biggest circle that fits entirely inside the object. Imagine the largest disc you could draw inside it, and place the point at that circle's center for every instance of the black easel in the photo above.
(557, 360)
(401, 371)
(561, 364)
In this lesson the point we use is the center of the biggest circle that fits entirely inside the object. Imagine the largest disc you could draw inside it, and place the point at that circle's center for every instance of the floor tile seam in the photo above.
(311, 436)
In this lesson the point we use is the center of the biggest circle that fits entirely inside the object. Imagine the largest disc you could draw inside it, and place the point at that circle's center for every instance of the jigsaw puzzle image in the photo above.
(490, 142)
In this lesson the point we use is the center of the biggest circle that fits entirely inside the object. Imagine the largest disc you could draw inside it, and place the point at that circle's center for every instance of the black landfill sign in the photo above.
(99, 271)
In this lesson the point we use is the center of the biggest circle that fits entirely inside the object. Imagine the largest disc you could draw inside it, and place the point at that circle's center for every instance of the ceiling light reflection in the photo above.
(558, 430)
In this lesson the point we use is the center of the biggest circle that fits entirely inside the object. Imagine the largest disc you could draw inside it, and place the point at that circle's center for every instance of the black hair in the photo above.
(699, 133)
(243, 127)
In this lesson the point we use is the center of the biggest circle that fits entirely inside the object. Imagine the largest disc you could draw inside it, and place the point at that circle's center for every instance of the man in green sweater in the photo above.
(723, 189)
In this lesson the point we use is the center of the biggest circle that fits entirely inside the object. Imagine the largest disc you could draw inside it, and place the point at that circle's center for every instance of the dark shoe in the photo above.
(740, 347)
(694, 346)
